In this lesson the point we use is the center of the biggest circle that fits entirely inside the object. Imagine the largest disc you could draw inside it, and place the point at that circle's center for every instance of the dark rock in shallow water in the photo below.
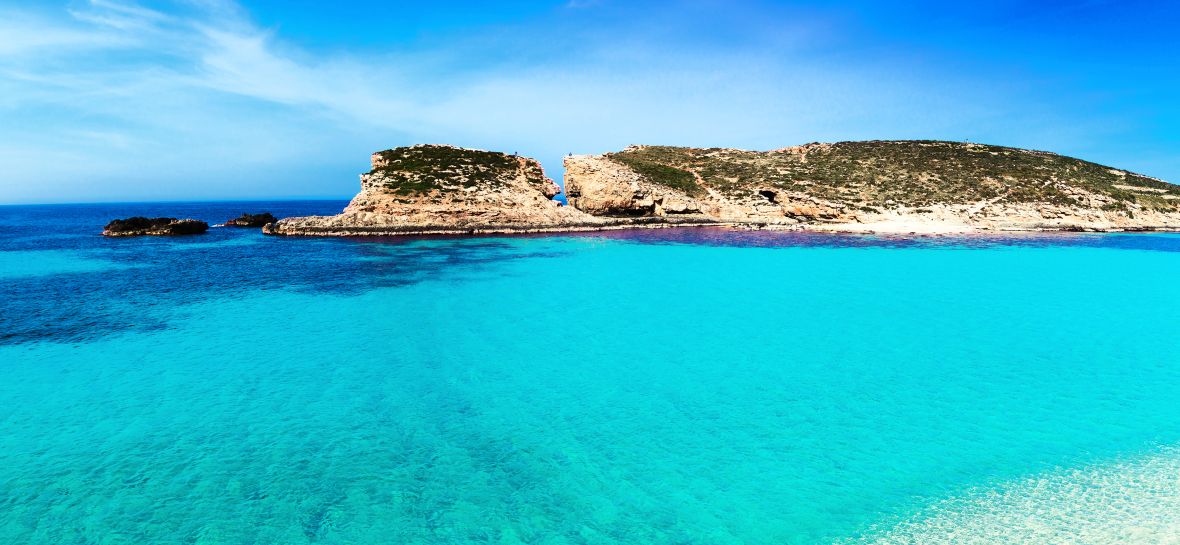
(141, 226)
(252, 220)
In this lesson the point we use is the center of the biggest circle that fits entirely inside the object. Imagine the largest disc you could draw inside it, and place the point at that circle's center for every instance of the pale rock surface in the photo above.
(602, 186)
(511, 195)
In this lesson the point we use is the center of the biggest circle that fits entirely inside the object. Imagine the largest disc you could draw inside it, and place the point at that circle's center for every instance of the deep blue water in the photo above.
(665, 386)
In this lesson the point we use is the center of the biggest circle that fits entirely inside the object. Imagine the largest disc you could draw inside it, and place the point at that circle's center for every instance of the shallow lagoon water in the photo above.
(686, 386)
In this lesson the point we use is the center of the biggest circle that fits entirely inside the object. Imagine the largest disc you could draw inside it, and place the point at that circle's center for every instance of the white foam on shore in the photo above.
(1131, 502)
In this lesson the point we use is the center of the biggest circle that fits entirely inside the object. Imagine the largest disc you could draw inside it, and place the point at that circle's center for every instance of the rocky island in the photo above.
(251, 220)
(874, 186)
(436, 189)
(141, 226)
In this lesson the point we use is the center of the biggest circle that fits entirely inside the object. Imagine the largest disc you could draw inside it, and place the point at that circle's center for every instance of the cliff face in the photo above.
(907, 186)
(904, 186)
(444, 189)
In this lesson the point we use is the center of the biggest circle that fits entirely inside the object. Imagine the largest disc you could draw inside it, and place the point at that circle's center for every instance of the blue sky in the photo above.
(109, 100)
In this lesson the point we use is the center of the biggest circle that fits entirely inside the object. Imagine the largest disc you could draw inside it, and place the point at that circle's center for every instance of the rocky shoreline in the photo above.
(612, 224)
(622, 224)
(906, 187)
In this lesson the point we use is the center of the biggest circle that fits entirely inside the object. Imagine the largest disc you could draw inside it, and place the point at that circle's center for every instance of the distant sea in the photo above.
(668, 386)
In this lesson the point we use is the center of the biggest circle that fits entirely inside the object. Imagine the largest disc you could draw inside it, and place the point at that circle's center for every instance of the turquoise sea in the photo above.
(669, 387)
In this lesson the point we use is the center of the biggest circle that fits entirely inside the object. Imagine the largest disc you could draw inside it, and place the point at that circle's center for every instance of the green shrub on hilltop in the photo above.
(911, 173)
(421, 169)
(659, 173)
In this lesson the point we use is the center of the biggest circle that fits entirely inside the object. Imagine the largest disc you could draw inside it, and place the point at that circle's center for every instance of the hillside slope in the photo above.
(878, 185)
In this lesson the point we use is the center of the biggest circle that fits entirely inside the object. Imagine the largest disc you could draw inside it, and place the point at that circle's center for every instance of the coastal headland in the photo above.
(921, 187)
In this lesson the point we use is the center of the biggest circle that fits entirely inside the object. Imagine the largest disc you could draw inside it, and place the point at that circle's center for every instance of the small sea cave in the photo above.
(769, 195)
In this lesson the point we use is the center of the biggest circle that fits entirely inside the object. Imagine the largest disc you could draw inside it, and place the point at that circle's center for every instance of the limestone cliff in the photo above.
(435, 189)
(878, 185)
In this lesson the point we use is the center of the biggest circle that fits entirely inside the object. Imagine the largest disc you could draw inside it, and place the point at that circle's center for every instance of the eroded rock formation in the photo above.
(141, 226)
(886, 186)
(251, 220)
(878, 186)
(436, 189)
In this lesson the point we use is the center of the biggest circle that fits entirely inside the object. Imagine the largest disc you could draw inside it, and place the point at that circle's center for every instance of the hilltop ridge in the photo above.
(873, 185)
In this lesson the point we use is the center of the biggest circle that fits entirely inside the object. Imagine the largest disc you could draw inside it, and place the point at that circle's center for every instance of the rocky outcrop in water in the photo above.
(141, 226)
(879, 186)
(251, 220)
(907, 186)
(436, 189)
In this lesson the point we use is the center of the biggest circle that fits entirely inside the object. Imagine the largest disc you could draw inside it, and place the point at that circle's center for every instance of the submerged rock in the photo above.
(141, 226)
(251, 220)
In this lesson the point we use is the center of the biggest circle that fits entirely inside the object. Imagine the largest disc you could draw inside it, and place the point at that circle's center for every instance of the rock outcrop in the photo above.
(141, 226)
(878, 186)
(436, 189)
(907, 186)
(251, 220)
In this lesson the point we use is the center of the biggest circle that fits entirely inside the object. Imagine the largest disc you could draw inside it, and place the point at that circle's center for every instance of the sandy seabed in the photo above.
(1129, 502)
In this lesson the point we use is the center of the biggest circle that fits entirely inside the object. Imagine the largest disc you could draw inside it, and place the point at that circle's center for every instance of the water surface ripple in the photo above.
(688, 386)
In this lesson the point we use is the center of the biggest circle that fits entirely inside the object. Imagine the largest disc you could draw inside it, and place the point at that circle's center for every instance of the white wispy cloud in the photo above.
(25, 34)
(117, 91)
